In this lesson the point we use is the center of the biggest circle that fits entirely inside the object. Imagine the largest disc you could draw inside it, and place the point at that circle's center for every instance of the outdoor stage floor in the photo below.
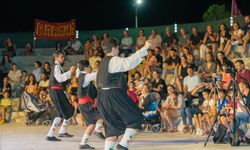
(20, 137)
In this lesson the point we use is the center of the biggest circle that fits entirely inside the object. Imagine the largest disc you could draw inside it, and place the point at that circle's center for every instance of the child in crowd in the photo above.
(6, 104)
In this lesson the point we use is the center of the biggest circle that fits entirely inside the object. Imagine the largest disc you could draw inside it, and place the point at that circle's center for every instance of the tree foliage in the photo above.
(215, 12)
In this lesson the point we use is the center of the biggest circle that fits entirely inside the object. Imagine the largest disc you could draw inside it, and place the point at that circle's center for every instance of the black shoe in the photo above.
(120, 147)
(86, 146)
(53, 138)
(65, 135)
(99, 135)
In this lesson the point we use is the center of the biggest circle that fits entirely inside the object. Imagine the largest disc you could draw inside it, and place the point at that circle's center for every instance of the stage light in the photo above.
(138, 2)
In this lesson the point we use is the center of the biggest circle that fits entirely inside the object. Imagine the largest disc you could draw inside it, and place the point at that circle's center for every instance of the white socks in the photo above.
(109, 145)
(129, 133)
(84, 139)
(53, 127)
(63, 127)
(98, 127)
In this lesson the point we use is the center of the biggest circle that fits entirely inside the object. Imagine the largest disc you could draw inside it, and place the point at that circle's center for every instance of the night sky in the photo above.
(19, 15)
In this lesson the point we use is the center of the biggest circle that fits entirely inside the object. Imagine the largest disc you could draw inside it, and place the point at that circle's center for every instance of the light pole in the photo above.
(137, 3)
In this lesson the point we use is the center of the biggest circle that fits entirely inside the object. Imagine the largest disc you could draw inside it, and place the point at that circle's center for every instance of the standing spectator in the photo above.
(15, 80)
(170, 39)
(224, 39)
(243, 74)
(28, 50)
(126, 44)
(10, 47)
(184, 40)
(95, 57)
(155, 39)
(46, 69)
(37, 71)
(141, 39)
(195, 39)
(6, 64)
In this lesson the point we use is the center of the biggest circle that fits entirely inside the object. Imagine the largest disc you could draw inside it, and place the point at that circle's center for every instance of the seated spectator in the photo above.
(15, 80)
(184, 40)
(6, 64)
(9, 47)
(46, 69)
(224, 39)
(151, 61)
(97, 65)
(182, 73)
(44, 83)
(159, 85)
(170, 39)
(159, 58)
(141, 39)
(5, 87)
(68, 48)
(28, 50)
(6, 104)
(171, 109)
(208, 68)
(222, 108)
(209, 42)
(24, 78)
(105, 40)
(195, 39)
(189, 84)
(246, 41)
(58, 47)
(138, 81)
(171, 64)
(73, 85)
(132, 93)
(155, 39)
(126, 44)
(95, 44)
(31, 86)
(74, 104)
(75, 48)
(189, 55)
(236, 35)
(245, 90)
(242, 115)
(222, 60)
(243, 74)
(95, 57)
(37, 71)
(88, 48)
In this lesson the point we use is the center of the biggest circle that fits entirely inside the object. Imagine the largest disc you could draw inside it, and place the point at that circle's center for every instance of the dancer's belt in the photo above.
(57, 87)
(85, 100)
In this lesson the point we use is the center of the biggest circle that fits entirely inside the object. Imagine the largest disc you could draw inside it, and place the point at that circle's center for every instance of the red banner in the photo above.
(55, 31)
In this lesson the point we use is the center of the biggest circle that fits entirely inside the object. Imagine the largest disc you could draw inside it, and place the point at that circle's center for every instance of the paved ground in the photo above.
(20, 137)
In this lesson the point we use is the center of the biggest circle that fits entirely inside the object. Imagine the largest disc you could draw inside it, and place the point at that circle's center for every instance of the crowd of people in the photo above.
(182, 70)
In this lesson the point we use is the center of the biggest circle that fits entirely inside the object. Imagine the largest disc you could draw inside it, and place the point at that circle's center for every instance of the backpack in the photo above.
(220, 134)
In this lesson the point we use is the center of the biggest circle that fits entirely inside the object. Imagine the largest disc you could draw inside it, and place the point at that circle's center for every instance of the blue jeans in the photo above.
(188, 112)
(242, 117)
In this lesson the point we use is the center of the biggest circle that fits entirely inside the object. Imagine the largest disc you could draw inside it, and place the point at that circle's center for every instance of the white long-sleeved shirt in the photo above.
(118, 64)
(60, 75)
(88, 77)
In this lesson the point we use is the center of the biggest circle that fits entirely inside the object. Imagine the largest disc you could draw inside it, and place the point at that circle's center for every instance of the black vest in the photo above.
(89, 90)
(105, 79)
(52, 79)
